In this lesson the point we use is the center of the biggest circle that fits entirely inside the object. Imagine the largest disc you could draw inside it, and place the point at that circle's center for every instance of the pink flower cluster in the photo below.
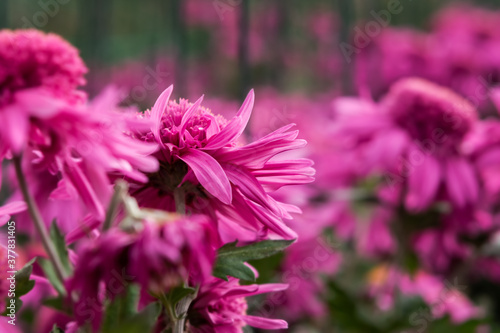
(195, 183)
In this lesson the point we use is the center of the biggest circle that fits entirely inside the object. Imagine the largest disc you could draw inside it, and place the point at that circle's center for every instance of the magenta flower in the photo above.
(305, 262)
(415, 137)
(200, 154)
(80, 145)
(30, 59)
(162, 255)
(221, 307)
(49, 121)
(444, 298)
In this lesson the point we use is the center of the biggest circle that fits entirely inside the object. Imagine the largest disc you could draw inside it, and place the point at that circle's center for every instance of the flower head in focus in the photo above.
(202, 154)
(221, 307)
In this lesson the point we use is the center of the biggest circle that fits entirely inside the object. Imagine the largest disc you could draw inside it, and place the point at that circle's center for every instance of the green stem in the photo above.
(120, 189)
(38, 222)
(181, 311)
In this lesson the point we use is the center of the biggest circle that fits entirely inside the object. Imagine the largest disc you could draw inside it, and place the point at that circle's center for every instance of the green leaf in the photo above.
(141, 322)
(56, 329)
(60, 245)
(23, 285)
(120, 308)
(23, 282)
(446, 325)
(231, 258)
(178, 293)
(58, 303)
(51, 275)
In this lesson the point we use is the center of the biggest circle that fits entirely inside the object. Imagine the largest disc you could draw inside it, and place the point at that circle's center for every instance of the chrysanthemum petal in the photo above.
(209, 173)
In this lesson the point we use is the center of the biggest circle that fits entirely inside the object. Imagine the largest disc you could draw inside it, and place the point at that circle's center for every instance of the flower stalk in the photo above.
(38, 222)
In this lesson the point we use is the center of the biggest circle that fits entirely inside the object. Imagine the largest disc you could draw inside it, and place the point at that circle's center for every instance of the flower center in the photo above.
(429, 113)
(198, 128)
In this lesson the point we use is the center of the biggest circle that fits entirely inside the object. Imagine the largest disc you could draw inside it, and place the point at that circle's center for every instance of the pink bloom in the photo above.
(391, 56)
(443, 297)
(221, 307)
(159, 257)
(305, 261)
(447, 55)
(439, 248)
(415, 136)
(483, 145)
(30, 59)
(74, 148)
(200, 153)
(374, 236)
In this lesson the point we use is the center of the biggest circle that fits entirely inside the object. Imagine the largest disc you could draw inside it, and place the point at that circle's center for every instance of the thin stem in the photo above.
(180, 200)
(120, 188)
(182, 309)
(168, 308)
(38, 221)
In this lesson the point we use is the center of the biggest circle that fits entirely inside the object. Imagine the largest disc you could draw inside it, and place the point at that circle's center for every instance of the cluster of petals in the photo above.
(221, 306)
(205, 155)
(159, 256)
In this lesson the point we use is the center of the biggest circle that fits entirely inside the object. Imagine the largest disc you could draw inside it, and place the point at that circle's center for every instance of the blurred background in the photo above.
(299, 56)
(218, 47)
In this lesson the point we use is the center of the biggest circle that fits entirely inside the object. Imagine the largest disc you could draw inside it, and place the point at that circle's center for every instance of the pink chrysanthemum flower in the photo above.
(200, 154)
(159, 256)
(73, 149)
(443, 298)
(414, 136)
(31, 59)
(221, 307)
(436, 120)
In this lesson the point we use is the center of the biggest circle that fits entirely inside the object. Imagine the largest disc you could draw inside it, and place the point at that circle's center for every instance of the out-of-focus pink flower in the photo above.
(374, 236)
(30, 59)
(483, 145)
(201, 153)
(391, 56)
(159, 257)
(447, 55)
(443, 297)
(313, 255)
(415, 137)
(221, 307)
(74, 147)
(438, 248)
